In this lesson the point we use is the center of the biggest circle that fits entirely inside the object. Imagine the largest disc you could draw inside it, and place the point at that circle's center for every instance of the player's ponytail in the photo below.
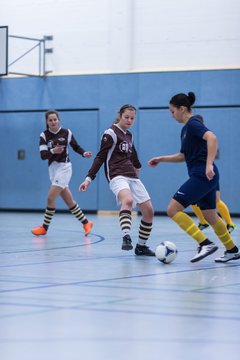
(183, 100)
(192, 98)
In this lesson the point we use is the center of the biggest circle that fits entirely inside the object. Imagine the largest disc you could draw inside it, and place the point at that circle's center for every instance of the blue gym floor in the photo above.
(64, 296)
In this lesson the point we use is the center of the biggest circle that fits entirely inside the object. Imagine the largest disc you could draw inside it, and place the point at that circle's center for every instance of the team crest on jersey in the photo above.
(124, 147)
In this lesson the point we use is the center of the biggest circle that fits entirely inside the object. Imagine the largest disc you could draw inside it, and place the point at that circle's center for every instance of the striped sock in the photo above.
(125, 218)
(77, 212)
(144, 232)
(48, 217)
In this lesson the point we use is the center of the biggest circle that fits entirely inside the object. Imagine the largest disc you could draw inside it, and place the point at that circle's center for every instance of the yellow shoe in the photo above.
(88, 227)
(39, 230)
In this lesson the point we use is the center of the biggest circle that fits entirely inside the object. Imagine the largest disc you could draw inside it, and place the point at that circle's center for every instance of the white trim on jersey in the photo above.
(43, 148)
(68, 141)
(69, 136)
(114, 137)
(42, 135)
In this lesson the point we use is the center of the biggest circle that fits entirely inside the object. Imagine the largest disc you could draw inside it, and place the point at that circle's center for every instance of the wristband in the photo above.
(88, 179)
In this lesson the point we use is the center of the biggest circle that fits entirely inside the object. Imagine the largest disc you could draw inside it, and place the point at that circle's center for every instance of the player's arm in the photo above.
(175, 158)
(212, 147)
(45, 152)
(77, 148)
(101, 156)
(135, 160)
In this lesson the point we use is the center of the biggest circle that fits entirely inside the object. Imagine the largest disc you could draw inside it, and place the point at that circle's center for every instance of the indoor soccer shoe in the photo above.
(228, 256)
(203, 226)
(39, 230)
(88, 227)
(230, 227)
(204, 251)
(127, 243)
(143, 250)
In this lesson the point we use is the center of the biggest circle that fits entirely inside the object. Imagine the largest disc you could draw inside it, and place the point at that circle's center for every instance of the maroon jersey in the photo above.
(118, 154)
(63, 137)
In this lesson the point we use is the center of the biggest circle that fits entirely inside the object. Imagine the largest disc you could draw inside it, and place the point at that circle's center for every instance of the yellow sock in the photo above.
(224, 212)
(223, 234)
(188, 225)
(197, 211)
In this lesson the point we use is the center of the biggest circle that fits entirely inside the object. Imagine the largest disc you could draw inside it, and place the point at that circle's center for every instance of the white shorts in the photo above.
(60, 174)
(138, 190)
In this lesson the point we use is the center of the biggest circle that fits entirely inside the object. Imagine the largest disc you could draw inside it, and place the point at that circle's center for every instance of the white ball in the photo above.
(166, 252)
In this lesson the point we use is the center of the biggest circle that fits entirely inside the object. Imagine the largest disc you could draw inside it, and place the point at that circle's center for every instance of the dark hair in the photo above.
(122, 110)
(183, 100)
(49, 112)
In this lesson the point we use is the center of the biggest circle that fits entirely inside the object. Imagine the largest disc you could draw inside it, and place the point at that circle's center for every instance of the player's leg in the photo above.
(182, 198)
(145, 229)
(220, 229)
(224, 212)
(203, 224)
(125, 217)
(121, 189)
(76, 210)
(53, 193)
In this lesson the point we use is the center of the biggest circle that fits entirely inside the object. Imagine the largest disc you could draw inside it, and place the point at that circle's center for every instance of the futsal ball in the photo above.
(166, 252)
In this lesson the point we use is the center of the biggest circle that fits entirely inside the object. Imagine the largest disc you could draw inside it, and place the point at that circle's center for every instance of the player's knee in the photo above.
(128, 202)
(171, 211)
(151, 212)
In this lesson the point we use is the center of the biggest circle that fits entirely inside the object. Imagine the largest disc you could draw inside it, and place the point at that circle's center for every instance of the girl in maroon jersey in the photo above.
(53, 145)
(122, 165)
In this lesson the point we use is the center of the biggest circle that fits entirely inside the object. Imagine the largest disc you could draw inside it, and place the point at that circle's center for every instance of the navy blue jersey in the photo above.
(197, 189)
(193, 146)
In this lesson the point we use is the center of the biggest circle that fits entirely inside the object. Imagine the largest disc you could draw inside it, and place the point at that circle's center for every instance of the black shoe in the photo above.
(230, 227)
(203, 226)
(141, 250)
(127, 243)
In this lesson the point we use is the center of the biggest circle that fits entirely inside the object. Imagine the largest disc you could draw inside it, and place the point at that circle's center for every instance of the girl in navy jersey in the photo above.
(53, 145)
(122, 165)
(198, 150)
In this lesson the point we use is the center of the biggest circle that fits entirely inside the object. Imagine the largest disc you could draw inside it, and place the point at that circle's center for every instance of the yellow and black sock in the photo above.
(222, 233)
(197, 211)
(188, 225)
(224, 212)
(48, 217)
(77, 212)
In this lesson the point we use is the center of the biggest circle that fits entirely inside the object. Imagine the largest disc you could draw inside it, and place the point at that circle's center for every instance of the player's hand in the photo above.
(154, 161)
(58, 149)
(210, 172)
(84, 185)
(87, 154)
